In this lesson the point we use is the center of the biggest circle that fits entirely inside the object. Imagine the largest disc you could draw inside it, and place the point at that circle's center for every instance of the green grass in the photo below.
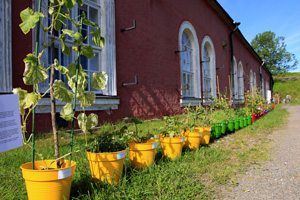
(287, 75)
(195, 175)
(291, 87)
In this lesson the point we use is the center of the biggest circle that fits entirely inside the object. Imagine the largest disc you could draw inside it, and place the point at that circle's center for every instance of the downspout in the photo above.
(232, 70)
(260, 74)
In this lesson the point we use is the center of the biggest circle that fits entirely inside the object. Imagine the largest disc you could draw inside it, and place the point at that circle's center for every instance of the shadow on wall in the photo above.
(154, 103)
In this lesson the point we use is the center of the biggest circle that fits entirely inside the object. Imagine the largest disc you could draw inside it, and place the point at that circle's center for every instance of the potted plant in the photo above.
(204, 123)
(141, 148)
(51, 179)
(106, 155)
(172, 139)
(192, 138)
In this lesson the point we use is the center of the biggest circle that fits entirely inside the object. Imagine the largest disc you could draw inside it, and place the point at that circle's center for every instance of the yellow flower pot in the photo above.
(192, 139)
(205, 136)
(142, 155)
(106, 166)
(171, 147)
(48, 184)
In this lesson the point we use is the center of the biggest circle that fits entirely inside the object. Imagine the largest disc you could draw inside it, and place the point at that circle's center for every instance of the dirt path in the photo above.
(279, 178)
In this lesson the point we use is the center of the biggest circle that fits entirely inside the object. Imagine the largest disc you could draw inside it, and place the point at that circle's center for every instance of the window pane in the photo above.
(84, 62)
(94, 64)
(84, 31)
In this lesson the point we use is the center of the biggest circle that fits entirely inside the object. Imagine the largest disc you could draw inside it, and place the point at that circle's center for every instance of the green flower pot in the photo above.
(213, 131)
(231, 126)
(237, 124)
(223, 127)
(249, 120)
(245, 121)
(241, 122)
(218, 130)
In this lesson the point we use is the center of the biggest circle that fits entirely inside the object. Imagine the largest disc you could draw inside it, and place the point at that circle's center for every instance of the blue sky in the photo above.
(257, 16)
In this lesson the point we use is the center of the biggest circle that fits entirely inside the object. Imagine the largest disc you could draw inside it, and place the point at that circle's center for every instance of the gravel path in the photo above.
(279, 178)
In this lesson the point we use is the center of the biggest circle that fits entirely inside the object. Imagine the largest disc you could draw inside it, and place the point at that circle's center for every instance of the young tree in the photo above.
(273, 51)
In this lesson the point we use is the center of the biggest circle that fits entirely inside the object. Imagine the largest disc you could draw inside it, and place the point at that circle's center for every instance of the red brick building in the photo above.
(172, 56)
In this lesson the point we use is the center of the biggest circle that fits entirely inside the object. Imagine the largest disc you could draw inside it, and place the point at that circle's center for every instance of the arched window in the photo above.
(241, 81)
(235, 88)
(189, 61)
(208, 68)
(251, 82)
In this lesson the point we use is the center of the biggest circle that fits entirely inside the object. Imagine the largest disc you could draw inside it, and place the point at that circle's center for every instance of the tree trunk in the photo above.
(53, 104)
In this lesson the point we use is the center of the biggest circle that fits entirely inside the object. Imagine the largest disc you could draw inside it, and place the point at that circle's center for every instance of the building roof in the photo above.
(226, 17)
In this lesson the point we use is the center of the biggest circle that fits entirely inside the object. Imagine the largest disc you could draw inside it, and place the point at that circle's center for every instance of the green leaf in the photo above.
(68, 32)
(29, 19)
(86, 99)
(60, 68)
(81, 84)
(72, 70)
(82, 122)
(86, 21)
(80, 2)
(87, 51)
(67, 112)
(69, 3)
(97, 39)
(78, 38)
(61, 92)
(66, 50)
(29, 61)
(86, 123)
(31, 99)
(59, 20)
(92, 121)
(22, 95)
(34, 73)
(99, 81)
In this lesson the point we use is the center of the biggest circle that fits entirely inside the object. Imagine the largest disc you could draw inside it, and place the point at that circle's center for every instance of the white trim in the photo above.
(190, 102)
(5, 47)
(188, 28)
(107, 104)
(235, 79)
(210, 47)
(241, 91)
(251, 82)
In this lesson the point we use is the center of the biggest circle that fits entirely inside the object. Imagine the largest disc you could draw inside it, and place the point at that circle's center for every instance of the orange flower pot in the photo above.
(106, 166)
(48, 184)
(192, 140)
(171, 147)
(142, 155)
(205, 137)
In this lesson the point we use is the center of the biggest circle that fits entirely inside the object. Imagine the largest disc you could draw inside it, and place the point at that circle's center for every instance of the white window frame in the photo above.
(107, 60)
(194, 99)
(207, 42)
(240, 81)
(6, 84)
(235, 79)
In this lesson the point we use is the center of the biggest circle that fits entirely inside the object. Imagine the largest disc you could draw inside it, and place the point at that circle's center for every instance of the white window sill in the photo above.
(184, 102)
(101, 103)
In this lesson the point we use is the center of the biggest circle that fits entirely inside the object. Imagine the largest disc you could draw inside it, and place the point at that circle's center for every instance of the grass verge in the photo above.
(195, 175)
